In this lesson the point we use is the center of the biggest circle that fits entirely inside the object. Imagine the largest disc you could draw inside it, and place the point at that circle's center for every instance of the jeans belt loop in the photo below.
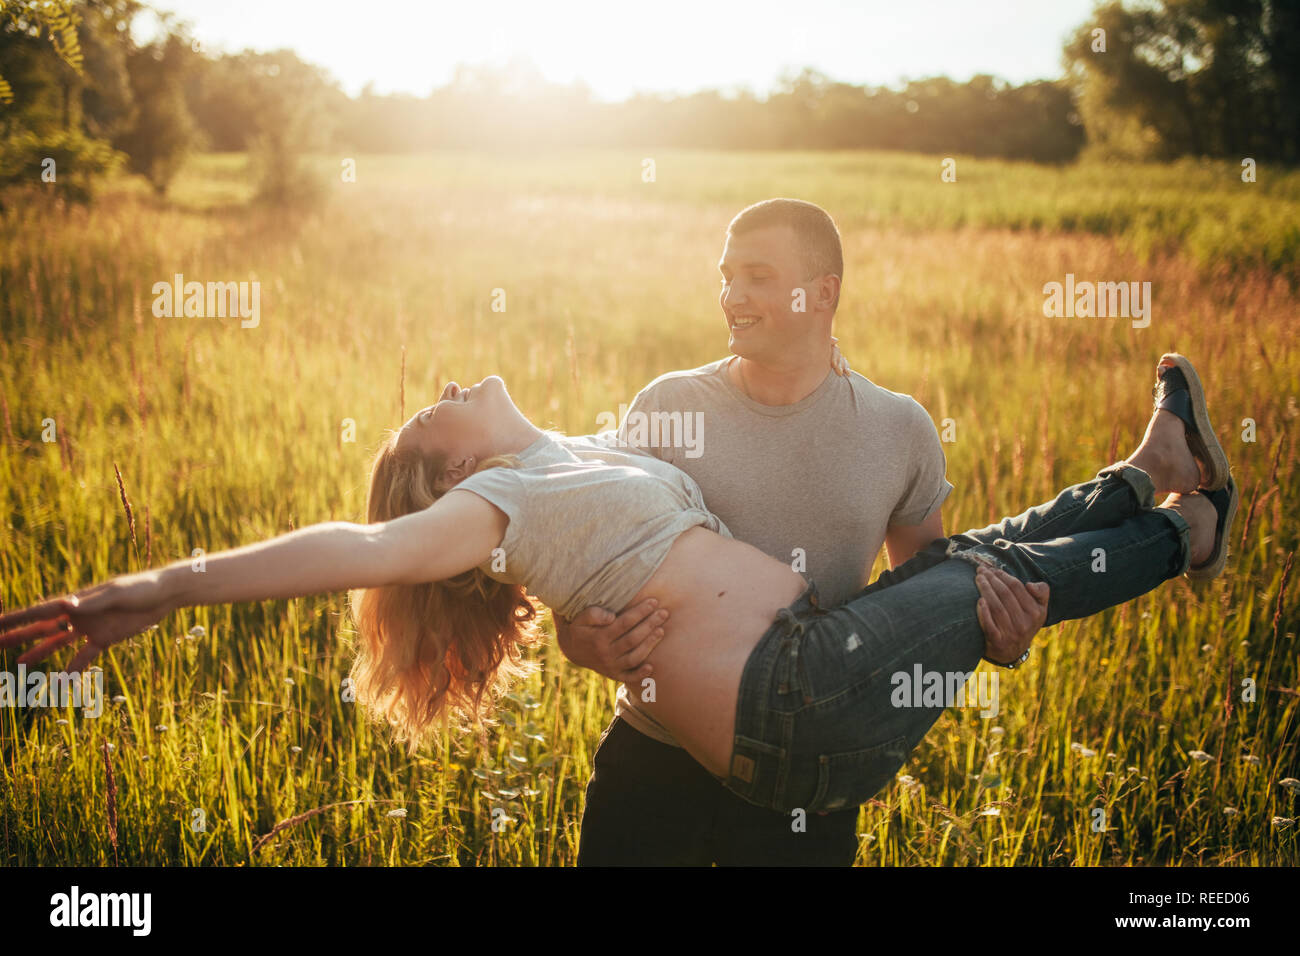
(799, 673)
(786, 661)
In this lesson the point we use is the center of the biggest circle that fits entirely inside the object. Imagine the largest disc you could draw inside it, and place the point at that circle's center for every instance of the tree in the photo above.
(57, 19)
(162, 132)
(43, 146)
(1189, 77)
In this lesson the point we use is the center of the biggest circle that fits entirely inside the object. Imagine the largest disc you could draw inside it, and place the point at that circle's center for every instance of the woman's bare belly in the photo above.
(722, 595)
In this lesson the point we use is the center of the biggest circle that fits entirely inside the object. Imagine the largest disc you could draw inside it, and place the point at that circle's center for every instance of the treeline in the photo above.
(490, 107)
(1198, 77)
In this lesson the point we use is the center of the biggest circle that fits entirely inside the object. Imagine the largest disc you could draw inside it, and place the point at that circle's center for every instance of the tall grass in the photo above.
(223, 435)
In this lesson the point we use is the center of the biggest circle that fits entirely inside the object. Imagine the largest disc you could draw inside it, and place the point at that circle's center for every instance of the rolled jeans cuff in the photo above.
(1145, 490)
(1137, 479)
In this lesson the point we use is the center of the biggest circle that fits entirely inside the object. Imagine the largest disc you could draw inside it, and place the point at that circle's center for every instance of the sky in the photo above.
(618, 48)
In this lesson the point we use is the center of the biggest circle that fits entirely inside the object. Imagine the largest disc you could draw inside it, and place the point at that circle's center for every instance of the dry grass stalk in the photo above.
(110, 792)
(294, 821)
(126, 504)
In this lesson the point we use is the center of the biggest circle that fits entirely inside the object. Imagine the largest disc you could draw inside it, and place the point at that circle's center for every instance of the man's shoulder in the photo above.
(684, 380)
(879, 400)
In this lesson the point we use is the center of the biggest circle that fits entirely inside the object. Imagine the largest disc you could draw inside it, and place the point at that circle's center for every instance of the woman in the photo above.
(789, 704)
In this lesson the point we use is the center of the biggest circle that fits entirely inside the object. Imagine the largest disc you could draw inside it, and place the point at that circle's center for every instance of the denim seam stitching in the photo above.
(1122, 550)
(818, 703)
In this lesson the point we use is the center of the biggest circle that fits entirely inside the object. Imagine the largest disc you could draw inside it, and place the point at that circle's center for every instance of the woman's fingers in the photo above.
(838, 362)
(84, 657)
(33, 632)
(49, 646)
(46, 610)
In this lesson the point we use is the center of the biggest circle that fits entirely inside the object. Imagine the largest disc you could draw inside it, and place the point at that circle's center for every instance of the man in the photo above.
(810, 467)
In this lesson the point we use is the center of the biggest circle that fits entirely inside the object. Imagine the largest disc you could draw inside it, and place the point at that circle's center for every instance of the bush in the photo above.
(67, 162)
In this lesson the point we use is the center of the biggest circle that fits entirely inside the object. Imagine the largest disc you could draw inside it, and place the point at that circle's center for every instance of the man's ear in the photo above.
(828, 291)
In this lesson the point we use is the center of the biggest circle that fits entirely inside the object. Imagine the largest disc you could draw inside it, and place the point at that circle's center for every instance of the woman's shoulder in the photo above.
(550, 448)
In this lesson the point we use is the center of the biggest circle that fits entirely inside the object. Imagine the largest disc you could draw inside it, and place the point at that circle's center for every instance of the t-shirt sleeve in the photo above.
(927, 486)
(632, 432)
(503, 487)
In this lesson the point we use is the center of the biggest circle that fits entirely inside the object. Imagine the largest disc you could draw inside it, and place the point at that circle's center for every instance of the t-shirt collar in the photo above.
(775, 411)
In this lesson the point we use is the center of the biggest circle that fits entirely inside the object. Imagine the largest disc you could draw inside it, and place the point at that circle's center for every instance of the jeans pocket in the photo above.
(853, 777)
(756, 770)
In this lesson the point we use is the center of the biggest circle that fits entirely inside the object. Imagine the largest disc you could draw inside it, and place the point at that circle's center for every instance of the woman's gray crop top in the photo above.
(590, 522)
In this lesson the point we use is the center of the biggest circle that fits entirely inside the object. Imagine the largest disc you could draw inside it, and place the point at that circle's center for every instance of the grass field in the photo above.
(225, 435)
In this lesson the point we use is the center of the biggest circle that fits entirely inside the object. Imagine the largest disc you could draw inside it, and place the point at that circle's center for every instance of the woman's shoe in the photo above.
(1178, 390)
(1225, 503)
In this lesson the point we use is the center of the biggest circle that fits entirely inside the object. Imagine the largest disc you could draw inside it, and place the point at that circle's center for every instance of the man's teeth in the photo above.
(742, 322)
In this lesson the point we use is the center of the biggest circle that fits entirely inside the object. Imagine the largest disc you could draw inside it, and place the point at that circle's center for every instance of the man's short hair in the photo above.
(814, 231)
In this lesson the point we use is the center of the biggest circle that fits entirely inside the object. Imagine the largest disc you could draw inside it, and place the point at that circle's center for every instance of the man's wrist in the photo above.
(1012, 665)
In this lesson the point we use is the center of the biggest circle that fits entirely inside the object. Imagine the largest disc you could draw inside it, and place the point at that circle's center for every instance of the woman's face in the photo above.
(463, 423)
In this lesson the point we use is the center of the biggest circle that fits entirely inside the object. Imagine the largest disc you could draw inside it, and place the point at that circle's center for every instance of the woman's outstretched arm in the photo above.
(456, 533)
(453, 535)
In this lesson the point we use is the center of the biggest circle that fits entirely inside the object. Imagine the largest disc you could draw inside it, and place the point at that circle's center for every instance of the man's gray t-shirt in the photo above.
(814, 484)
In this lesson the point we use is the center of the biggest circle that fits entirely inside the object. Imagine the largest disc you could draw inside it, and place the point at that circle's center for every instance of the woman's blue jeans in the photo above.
(832, 700)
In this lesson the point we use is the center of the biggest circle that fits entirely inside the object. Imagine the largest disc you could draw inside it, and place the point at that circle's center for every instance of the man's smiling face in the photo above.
(760, 270)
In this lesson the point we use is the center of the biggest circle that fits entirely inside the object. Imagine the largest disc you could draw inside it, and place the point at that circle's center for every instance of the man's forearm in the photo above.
(333, 556)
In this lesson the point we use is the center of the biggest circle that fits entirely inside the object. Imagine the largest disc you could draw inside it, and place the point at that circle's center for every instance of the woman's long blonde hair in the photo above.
(445, 650)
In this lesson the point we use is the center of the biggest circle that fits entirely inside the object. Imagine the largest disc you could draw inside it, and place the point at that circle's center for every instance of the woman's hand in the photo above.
(839, 364)
(105, 614)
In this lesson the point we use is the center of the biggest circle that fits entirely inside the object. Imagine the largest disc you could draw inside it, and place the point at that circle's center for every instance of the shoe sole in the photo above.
(1216, 461)
(1214, 567)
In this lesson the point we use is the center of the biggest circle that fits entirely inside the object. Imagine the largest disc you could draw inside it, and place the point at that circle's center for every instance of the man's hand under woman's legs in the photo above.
(1010, 611)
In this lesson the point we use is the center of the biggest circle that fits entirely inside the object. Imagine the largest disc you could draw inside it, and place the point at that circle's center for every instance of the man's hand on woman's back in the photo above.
(615, 646)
